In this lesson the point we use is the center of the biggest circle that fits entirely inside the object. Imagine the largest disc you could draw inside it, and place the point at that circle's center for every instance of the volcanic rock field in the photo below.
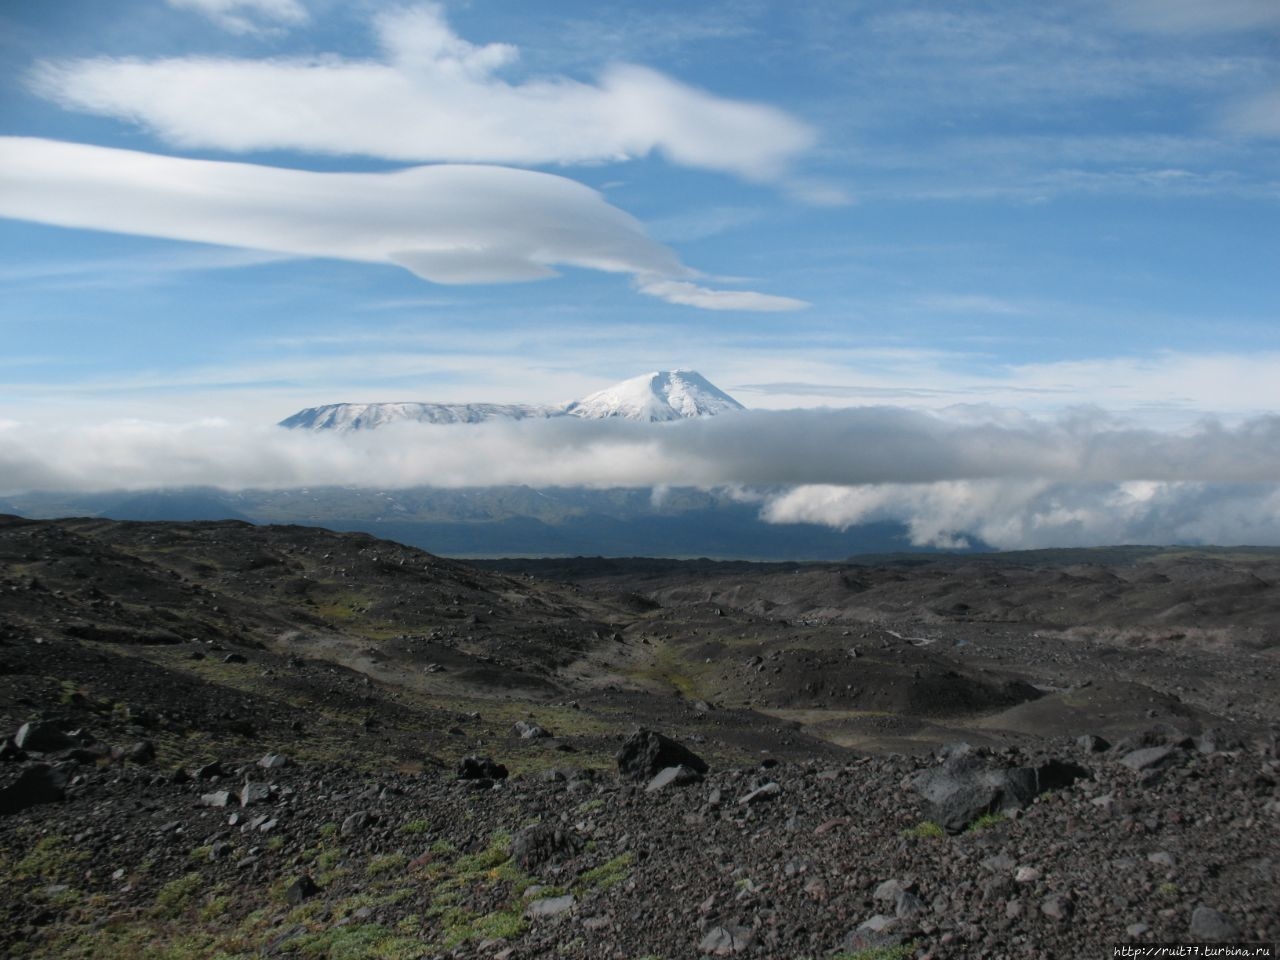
(230, 741)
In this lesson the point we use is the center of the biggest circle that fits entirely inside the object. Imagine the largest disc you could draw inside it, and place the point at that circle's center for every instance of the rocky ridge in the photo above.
(231, 741)
(240, 857)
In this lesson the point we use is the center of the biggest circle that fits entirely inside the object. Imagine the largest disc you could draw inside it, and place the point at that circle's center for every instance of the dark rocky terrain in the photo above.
(236, 741)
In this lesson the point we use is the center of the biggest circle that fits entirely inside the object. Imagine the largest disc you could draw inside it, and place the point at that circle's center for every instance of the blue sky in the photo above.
(225, 210)
(996, 202)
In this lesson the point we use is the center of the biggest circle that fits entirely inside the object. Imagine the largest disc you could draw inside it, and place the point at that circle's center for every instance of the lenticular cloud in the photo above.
(447, 224)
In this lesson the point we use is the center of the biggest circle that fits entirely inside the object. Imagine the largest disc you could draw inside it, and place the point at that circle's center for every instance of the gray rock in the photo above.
(646, 752)
(726, 941)
(41, 783)
(907, 904)
(219, 798)
(1090, 743)
(527, 730)
(873, 933)
(356, 823)
(1057, 907)
(301, 889)
(677, 776)
(1000, 863)
(253, 793)
(1216, 740)
(550, 906)
(544, 843)
(1148, 758)
(963, 788)
(273, 761)
(42, 737)
(1212, 925)
(480, 768)
(887, 892)
(144, 751)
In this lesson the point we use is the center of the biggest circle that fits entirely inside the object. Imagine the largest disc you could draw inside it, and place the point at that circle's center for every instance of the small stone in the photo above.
(815, 889)
(1212, 925)
(1160, 858)
(908, 904)
(1056, 907)
(1148, 758)
(219, 798)
(1026, 875)
(766, 792)
(273, 761)
(235, 658)
(480, 768)
(355, 823)
(144, 751)
(726, 941)
(677, 776)
(1000, 863)
(887, 892)
(1137, 930)
(301, 889)
(528, 730)
(252, 793)
(550, 906)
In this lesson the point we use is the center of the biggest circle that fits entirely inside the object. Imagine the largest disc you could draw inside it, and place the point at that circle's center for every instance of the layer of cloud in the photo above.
(1028, 514)
(447, 223)
(248, 16)
(854, 447)
(1011, 482)
(432, 97)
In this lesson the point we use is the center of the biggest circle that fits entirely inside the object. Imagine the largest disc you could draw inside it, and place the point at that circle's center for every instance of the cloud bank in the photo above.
(433, 96)
(448, 224)
(1011, 481)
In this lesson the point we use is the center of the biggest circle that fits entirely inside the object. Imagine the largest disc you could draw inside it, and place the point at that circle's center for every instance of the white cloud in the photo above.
(433, 97)
(1026, 514)
(247, 16)
(447, 223)
(860, 446)
(692, 295)
(1011, 481)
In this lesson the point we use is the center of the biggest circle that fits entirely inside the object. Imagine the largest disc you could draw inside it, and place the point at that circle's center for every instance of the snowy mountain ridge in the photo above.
(657, 397)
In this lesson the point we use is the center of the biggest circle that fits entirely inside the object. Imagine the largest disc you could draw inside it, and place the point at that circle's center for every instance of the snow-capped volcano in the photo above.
(649, 398)
(654, 397)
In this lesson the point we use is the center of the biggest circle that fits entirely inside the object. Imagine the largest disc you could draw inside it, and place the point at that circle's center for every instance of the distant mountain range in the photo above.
(656, 397)
(504, 521)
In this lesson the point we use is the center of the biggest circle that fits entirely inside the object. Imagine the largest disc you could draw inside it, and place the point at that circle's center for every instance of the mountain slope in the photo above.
(366, 416)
